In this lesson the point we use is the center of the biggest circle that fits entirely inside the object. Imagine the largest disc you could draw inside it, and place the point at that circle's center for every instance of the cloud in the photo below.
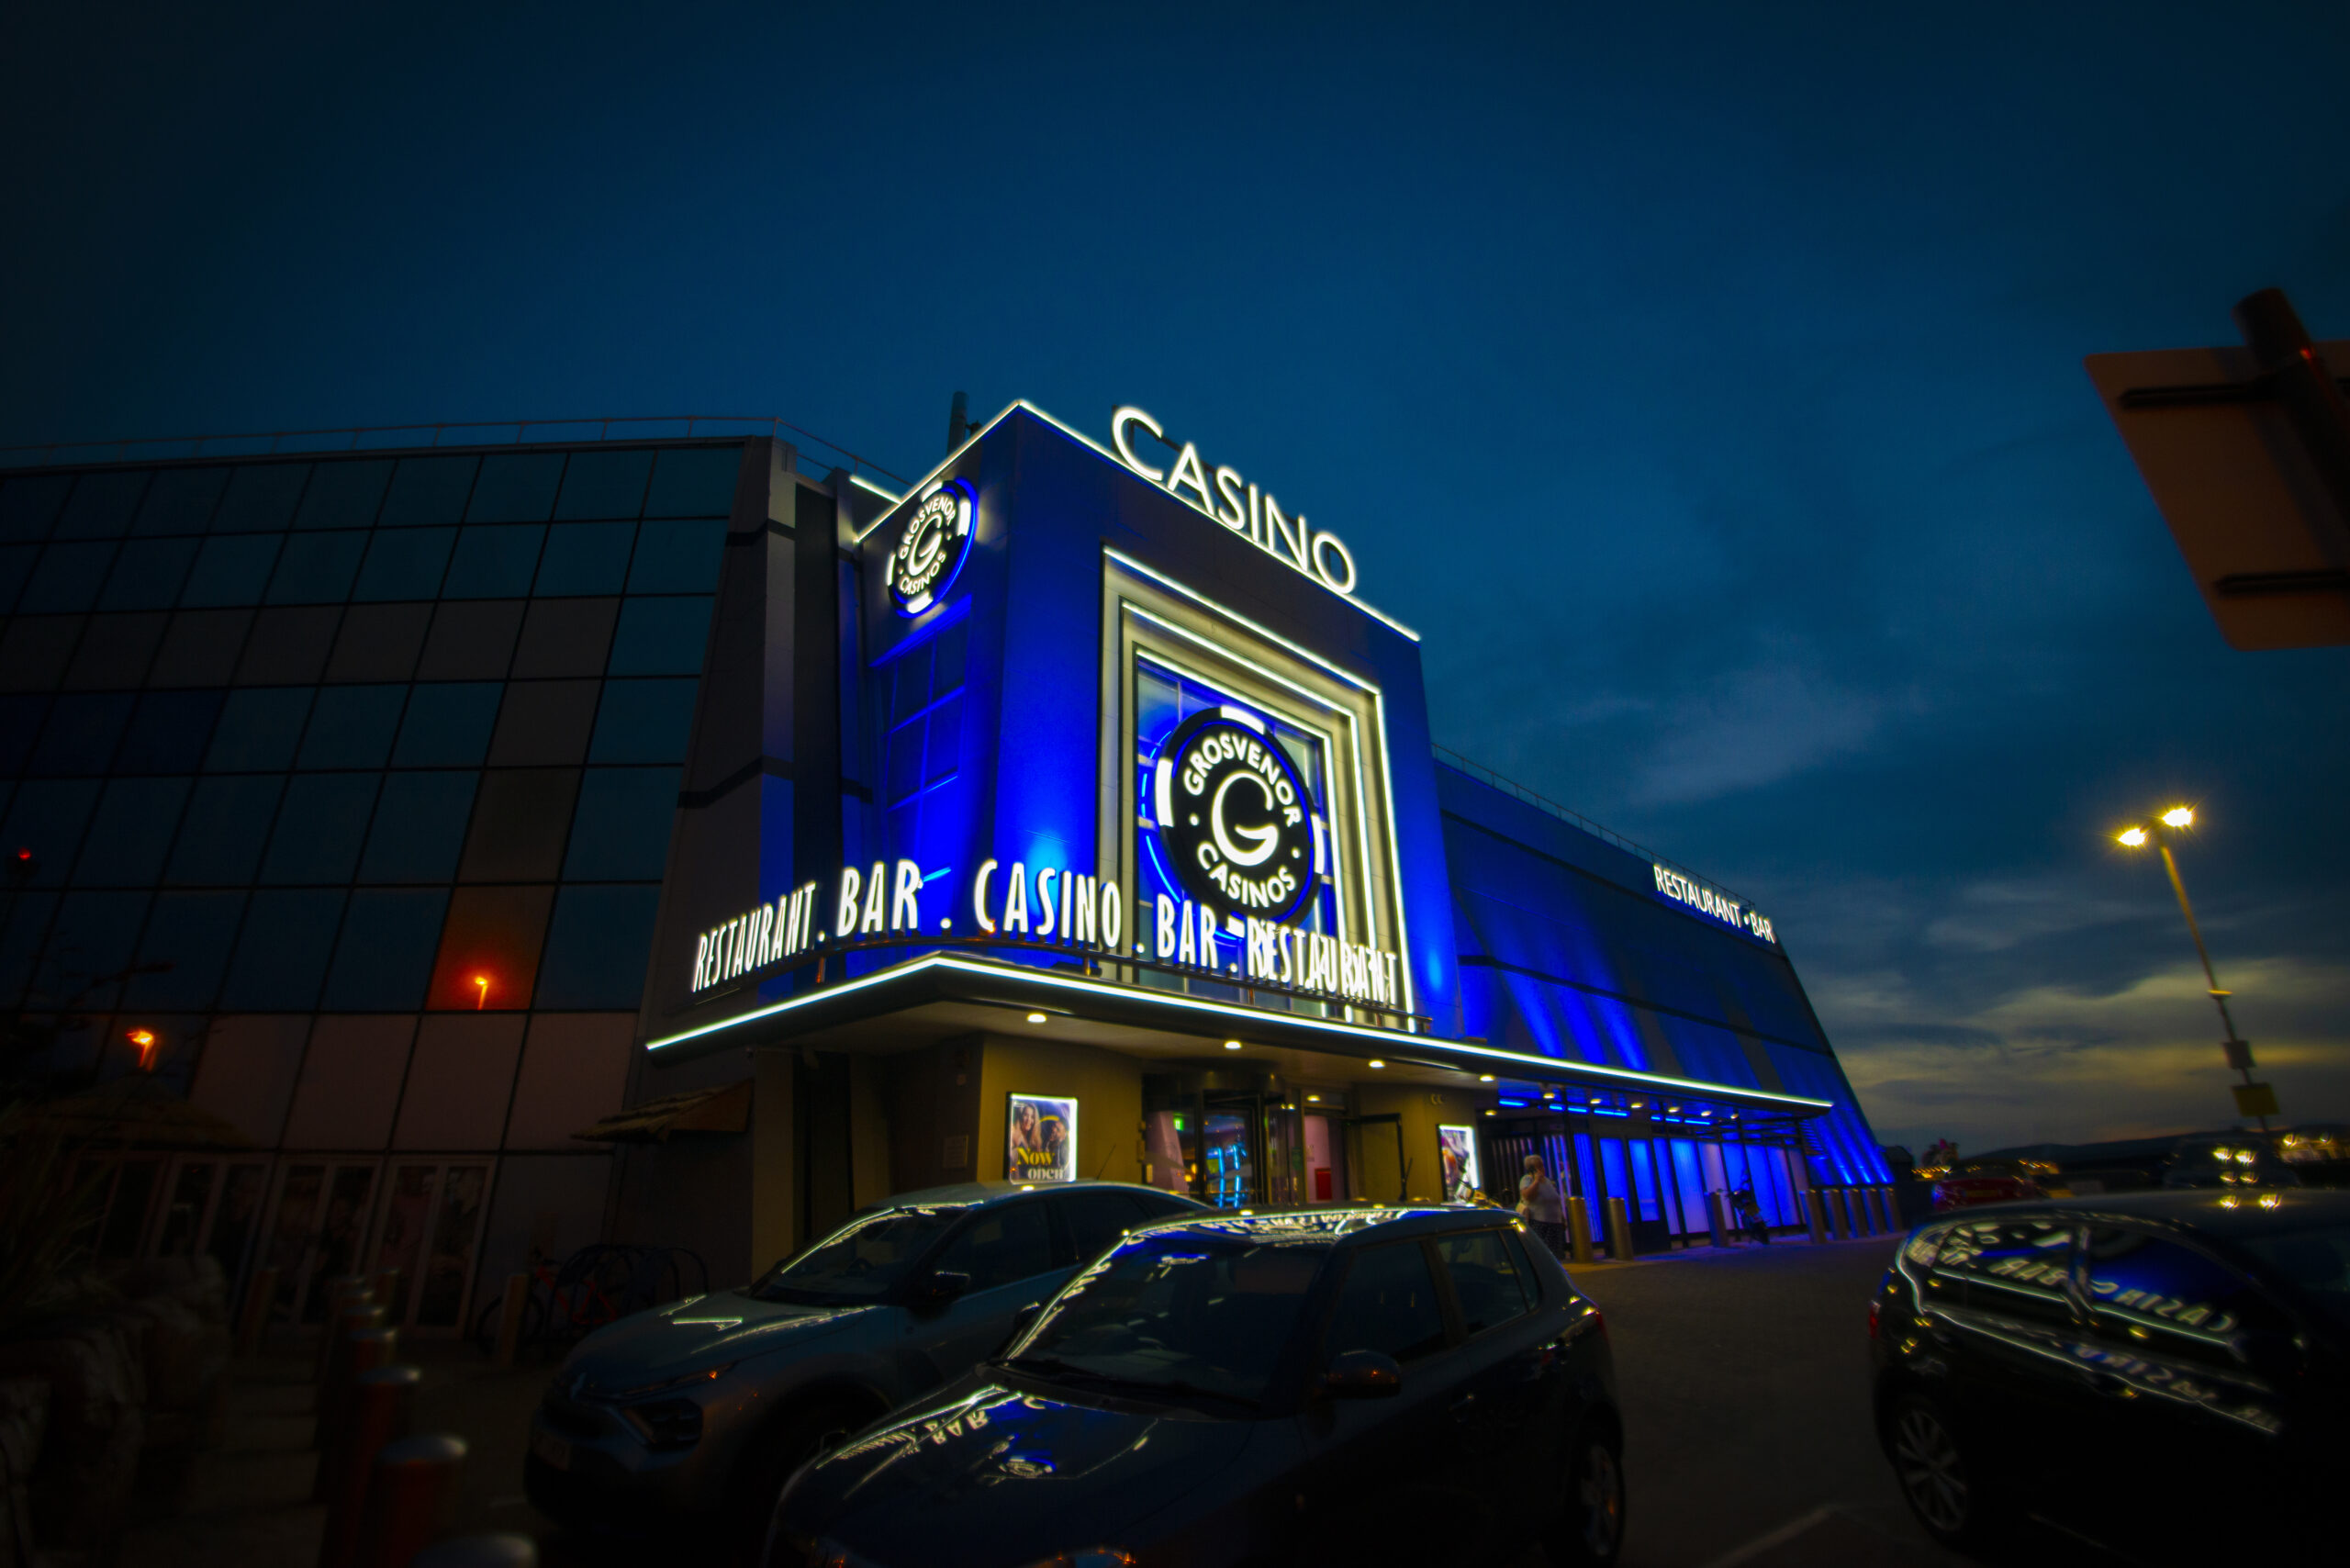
(1755, 727)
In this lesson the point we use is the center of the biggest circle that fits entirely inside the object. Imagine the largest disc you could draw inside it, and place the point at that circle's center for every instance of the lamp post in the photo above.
(2251, 1099)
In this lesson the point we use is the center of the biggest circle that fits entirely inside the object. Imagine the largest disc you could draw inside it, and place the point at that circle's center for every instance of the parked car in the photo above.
(691, 1416)
(2162, 1372)
(1973, 1182)
(1419, 1386)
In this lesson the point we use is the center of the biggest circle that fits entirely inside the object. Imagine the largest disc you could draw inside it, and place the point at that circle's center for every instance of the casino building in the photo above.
(688, 839)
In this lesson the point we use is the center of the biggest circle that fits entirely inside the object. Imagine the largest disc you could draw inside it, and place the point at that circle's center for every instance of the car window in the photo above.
(1514, 1244)
(1160, 1205)
(2015, 1267)
(1000, 1246)
(2165, 1296)
(2316, 1261)
(1388, 1304)
(1096, 1217)
(1485, 1279)
(862, 1259)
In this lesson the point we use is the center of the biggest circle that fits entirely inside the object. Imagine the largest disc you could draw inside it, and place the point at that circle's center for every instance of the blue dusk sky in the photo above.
(1703, 382)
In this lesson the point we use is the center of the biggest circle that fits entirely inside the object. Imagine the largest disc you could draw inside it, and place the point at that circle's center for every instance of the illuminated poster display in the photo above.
(1040, 1136)
(1458, 1149)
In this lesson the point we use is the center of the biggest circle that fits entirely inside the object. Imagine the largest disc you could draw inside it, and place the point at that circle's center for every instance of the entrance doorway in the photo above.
(429, 1233)
(317, 1223)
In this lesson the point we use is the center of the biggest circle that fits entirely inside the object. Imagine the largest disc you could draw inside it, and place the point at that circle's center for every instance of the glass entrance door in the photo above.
(316, 1229)
(429, 1233)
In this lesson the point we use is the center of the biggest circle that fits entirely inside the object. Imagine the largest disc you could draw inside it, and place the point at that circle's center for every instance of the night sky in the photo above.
(1703, 383)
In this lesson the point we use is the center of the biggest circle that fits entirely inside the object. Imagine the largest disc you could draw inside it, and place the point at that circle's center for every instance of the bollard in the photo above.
(1872, 1218)
(480, 1551)
(1619, 1231)
(411, 1489)
(1892, 1201)
(1717, 1220)
(1847, 1215)
(385, 1290)
(344, 1290)
(510, 1318)
(259, 1294)
(382, 1405)
(1814, 1218)
(369, 1348)
(335, 1367)
(1579, 1230)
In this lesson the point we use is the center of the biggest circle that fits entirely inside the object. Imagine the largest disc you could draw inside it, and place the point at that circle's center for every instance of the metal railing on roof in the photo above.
(1573, 818)
(468, 433)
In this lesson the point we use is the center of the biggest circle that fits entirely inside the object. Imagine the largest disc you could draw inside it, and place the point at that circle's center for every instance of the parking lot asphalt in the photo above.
(1744, 1379)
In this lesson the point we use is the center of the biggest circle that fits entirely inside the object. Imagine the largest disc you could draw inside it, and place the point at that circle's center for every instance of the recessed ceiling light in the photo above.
(1036, 1017)
(1231, 1045)
(1484, 1077)
(1376, 1062)
(1314, 1099)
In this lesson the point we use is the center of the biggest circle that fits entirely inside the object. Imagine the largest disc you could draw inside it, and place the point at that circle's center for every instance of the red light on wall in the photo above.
(145, 1040)
(481, 986)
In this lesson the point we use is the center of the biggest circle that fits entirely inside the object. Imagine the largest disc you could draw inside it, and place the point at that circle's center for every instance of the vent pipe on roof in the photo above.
(958, 421)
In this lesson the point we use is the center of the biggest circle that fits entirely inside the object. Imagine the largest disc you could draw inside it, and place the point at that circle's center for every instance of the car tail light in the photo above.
(1876, 1306)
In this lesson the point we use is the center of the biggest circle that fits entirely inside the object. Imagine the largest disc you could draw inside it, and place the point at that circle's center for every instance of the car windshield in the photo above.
(2316, 1261)
(1198, 1317)
(860, 1261)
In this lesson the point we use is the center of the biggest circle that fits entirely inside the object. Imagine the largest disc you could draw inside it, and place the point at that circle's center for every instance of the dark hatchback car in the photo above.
(1345, 1386)
(2162, 1372)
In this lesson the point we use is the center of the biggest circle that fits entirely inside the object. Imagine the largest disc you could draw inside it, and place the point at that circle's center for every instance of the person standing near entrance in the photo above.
(1537, 1206)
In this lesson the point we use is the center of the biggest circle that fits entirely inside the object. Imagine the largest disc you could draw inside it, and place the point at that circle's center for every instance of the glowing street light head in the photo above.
(2179, 816)
(2134, 837)
(145, 1040)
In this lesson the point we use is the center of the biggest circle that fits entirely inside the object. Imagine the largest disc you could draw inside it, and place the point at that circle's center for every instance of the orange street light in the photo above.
(145, 1040)
(2175, 819)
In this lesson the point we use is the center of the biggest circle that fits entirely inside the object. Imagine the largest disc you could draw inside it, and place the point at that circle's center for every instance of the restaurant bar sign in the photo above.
(1018, 906)
(1705, 901)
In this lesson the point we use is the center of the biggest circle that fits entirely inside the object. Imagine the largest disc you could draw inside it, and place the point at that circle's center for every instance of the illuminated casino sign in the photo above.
(1239, 828)
(1224, 495)
(932, 549)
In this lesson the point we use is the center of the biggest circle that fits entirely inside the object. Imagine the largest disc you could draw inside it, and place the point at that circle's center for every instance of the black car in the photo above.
(2162, 1372)
(1335, 1385)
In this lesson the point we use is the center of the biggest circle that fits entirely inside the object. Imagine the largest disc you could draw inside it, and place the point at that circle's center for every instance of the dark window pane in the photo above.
(546, 723)
(353, 726)
(231, 570)
(228, 822)
(448, 726)
(21, 720)
(419, 825)
(944, 753)
(191, 932)
(321, 828)
(258, 729)
(344, 495)
(1001, 1247)
(16, 566)
(520, 819)
(1096, 1218)
(386, 956)
(317, 568)
(494, 562)
(405, 563)
(102, 505)
(81, 733)
(131, 833)
(181, 500)
(281, 954)
(26, 927)
(1388, 1304)
(586, 557)
(952, 643)
(1486, 1280)
(604, 484)
(428, 490)
(597, 949)
(94, 938)
(67, 579)
(909, 684)
(661, 636)
(901, 772)
(46, 816)
(677, 557)
(698, 482)
(148, 574)
(516, 489)
(260, 497)
(644, 721)
(30, 503)
(621, 832)
(168, 732)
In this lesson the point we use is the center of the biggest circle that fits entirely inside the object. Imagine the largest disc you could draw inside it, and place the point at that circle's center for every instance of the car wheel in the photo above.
(1944, 1486)
(788, 1443)
(1591, 1533)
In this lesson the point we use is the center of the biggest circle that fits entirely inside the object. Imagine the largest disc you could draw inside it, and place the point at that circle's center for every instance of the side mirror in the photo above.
(1020, 1322)
(941, 1288)
(1362, 1374)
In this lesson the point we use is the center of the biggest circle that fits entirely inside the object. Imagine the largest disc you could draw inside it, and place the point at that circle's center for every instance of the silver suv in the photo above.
(694, 1414)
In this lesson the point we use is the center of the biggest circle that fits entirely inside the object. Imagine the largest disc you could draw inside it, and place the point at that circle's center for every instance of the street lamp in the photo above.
(2252, 1099)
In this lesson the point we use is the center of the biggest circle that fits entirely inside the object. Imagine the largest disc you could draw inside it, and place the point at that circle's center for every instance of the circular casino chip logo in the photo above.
(1238, 826)
(932, 549)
